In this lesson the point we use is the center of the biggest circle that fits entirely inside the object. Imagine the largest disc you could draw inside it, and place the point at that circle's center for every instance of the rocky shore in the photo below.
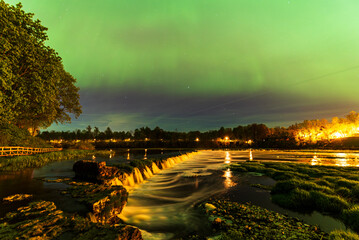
(103, 189)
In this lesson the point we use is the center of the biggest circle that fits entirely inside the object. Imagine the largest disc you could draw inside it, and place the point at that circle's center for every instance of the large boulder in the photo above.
(96, 172)
(104, 202)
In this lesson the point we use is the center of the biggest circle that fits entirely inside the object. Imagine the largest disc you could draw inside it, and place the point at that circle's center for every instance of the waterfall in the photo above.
(129, 180)
(138, 175)
(147, 172)
(155, 169)
(116, 182)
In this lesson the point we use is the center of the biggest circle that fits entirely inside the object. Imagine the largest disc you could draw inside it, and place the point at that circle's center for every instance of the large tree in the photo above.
(35, 90)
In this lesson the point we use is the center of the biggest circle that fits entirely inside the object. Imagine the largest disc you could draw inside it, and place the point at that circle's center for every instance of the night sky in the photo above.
(199, 65)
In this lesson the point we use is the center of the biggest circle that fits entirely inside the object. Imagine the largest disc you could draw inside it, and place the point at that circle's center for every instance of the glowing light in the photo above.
(314, 160)
(342, 162)
(249, 142)
(197, 139)
(226, 138)
(227, 158)
(315, 131)
(228, 181)
(341, 155)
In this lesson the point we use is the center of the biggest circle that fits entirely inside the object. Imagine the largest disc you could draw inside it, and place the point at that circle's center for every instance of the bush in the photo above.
(83, 146)
(11, 135)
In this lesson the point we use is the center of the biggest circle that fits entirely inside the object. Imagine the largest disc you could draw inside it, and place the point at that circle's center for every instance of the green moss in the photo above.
(328, 189)
(232, 220)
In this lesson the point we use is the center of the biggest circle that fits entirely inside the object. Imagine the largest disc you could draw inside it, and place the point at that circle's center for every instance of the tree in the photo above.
(35, 90)
(96, 132)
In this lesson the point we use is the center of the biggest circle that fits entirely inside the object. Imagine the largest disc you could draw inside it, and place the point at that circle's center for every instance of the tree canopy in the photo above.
(35, 90)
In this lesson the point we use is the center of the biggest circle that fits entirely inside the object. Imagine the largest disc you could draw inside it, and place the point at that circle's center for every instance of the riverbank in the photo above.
(102, 189)
(330, 190)
(8, 164)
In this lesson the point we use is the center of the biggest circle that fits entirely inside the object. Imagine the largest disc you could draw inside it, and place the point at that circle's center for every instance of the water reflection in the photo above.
(227, 158)
(228, 181)
(250, 155)
(314, 160)
(341, 160)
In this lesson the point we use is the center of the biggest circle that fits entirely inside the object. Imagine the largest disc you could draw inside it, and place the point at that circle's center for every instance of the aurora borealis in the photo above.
(204, 64)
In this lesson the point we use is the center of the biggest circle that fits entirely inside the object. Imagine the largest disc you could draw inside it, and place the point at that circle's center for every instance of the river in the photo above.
(163, 206)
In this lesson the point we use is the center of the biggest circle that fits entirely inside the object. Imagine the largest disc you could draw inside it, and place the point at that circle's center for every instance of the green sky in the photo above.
(209, 48)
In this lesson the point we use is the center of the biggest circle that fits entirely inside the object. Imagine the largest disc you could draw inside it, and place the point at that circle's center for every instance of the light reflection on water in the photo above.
(163, 205)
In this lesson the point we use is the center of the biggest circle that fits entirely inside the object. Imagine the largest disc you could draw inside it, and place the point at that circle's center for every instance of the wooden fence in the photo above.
(20, 151)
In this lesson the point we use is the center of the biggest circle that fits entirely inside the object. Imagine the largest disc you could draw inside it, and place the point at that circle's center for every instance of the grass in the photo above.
(326, 189)
(34, 161)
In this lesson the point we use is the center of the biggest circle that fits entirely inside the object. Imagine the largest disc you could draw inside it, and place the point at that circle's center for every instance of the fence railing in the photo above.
(19, 151)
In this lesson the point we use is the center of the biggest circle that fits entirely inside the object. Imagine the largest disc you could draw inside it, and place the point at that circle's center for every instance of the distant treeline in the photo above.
(309, 133)
(258, 135)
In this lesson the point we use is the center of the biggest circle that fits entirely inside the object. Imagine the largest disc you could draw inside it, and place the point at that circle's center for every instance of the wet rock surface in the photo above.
(231, 220)
(104, 202)
(42, 220)
(96, 172)
(17, 197)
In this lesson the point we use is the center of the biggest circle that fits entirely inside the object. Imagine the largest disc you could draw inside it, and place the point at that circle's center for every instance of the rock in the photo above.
(209, 207)
(96, 172)
(17, 197)
(42, 220)
(129, 232)
(105, 202)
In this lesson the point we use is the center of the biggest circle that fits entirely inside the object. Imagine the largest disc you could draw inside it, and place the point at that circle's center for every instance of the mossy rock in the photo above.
(42, 220)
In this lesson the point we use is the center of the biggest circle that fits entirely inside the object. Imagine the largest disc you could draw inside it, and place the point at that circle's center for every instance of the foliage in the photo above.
(83, 146)
(11, 135)
(35, 90)
(39, 160)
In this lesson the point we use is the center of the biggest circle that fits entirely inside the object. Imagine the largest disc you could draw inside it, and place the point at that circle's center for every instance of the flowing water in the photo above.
(161, 201)
(163, 206)
(31, 181)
